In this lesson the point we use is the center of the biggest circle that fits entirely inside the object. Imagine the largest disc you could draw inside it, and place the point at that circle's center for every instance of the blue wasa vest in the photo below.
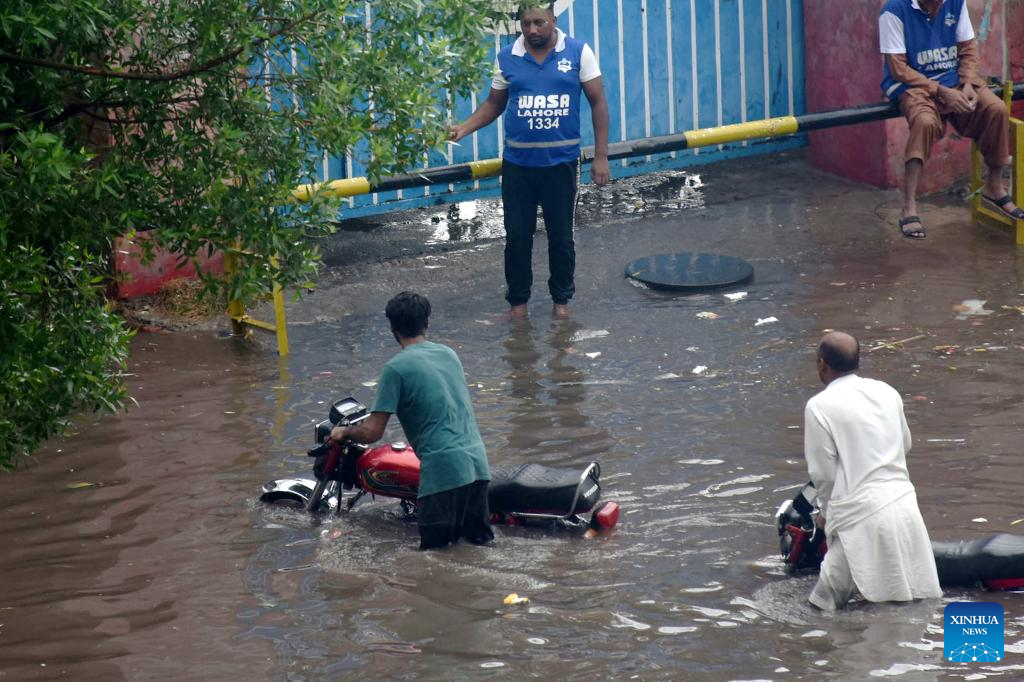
(931, 44)
(542, 119)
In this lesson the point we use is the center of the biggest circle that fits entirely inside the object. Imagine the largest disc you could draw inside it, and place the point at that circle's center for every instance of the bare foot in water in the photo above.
(560, 311)
(518, 311)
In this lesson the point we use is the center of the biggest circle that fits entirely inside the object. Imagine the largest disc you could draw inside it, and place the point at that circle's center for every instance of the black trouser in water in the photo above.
(553, 188)
(461, 512)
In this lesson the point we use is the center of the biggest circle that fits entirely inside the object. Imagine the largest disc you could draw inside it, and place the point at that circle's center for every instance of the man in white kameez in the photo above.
(856, 441)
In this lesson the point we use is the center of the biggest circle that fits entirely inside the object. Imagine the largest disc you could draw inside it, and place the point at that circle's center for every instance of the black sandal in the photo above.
(913, 232)
(1017, 213)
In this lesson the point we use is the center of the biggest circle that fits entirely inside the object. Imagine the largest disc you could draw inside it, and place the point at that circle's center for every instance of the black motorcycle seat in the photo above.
(966, 563)
(540, 489)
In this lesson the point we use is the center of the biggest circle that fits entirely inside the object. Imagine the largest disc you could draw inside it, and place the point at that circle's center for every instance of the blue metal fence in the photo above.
(668, 66)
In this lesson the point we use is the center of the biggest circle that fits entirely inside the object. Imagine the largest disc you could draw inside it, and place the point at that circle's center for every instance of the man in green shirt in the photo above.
(425, 385)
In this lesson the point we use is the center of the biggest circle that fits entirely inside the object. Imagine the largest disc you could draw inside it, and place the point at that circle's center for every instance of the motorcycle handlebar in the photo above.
(321, 449)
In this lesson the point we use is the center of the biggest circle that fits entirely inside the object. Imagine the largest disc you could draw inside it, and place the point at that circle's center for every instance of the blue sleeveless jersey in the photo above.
(931, 44)
(542, 118)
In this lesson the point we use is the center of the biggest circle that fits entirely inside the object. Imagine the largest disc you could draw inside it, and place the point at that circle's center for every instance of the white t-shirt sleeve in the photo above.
(498, 81)
(964, 28)
(890, 34)
(589, 69)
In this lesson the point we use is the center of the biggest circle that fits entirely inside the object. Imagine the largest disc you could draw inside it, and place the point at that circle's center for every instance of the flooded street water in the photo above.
(137, 550)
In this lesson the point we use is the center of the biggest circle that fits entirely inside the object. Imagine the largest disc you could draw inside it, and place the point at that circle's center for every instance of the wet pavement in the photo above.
(136, 549)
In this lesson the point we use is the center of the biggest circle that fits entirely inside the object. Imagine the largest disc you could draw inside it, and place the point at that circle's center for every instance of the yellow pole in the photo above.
(1017, 127)
(236, 309)
(280, 324)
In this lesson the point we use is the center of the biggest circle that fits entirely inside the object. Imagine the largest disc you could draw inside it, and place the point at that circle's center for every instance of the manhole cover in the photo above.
(690, 271)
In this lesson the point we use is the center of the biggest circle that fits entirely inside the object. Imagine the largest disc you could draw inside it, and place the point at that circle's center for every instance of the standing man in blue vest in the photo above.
(931, 71)
(540, 76)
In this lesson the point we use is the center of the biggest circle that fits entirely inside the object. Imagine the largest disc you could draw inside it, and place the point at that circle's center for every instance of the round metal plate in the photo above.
(690, 271)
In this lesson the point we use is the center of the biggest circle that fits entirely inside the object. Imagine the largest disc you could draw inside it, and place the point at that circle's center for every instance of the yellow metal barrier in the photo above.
(241, 321)
(335, 189)
(982, 213)
(737, 132)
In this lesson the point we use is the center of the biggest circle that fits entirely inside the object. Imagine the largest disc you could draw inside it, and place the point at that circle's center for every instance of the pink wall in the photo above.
(1015, 47)
(847, 72)
(844, 73)
(135, 278)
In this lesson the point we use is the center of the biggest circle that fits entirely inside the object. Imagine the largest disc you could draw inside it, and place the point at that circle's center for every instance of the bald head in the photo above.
(840, 351)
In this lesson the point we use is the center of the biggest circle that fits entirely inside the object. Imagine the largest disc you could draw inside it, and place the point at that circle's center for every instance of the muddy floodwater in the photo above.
(136, 549)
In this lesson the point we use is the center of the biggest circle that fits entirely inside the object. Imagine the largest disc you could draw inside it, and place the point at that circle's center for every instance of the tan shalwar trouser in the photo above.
(988, 125)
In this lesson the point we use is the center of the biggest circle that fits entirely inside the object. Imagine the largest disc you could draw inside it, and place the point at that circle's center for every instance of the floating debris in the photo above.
(514, 600)
(699, 369)
(765, 320)
(738, 296)
(707, 316)
(893, 344)
(971, 307)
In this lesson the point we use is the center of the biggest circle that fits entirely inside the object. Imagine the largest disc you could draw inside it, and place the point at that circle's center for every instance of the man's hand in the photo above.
(955, 100)
(339, 434)
(971, 94)
(600, 172)
(819, 521)
(457, 133)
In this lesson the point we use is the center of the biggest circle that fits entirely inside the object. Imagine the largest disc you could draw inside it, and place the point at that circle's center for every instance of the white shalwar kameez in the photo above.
(856, 441)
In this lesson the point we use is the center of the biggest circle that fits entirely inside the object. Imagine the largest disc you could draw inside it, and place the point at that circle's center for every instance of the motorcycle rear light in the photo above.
(606, 516)
(1004, 584)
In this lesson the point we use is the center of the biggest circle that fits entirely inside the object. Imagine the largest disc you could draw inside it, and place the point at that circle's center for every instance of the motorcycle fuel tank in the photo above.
(392, 470)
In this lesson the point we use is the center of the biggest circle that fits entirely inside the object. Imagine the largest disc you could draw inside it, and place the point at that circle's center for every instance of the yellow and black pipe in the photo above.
(691, 139)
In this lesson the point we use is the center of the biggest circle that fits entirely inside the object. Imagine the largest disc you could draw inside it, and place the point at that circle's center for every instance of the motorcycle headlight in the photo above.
(784, 516)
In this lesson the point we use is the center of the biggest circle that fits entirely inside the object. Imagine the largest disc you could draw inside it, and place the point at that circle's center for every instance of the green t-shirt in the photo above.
(425, 386)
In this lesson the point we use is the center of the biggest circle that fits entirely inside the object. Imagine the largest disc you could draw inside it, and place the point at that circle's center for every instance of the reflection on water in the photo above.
(167, 568)
(467, 221)
(546, 396)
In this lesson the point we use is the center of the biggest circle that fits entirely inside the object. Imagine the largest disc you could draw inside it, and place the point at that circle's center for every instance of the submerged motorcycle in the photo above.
(526, 494)
(995, 562)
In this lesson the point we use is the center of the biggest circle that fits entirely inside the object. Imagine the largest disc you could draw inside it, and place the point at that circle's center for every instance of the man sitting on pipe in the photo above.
(931, 71)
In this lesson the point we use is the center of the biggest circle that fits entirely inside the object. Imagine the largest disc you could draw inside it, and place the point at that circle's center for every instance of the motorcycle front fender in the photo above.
(289, 492)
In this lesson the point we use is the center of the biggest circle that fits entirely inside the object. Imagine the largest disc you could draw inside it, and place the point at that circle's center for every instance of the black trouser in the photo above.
(461, 512)
(522, 190)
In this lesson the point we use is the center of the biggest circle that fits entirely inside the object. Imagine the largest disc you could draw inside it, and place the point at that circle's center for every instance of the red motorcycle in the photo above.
(995, 562)
(526, 494)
